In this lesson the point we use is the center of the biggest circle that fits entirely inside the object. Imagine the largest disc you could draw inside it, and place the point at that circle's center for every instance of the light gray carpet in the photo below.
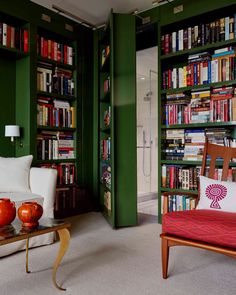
(103, 261)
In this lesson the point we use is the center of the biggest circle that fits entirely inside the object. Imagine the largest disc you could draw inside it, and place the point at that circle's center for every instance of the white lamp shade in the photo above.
(12, 131)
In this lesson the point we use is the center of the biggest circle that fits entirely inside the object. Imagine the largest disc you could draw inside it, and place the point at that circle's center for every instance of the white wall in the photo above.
(147, 121)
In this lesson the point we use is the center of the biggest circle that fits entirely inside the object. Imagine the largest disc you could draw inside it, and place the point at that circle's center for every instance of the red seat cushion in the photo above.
(210, 226)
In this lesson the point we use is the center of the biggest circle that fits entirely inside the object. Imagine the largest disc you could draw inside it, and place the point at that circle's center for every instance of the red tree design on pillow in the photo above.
(216, 192)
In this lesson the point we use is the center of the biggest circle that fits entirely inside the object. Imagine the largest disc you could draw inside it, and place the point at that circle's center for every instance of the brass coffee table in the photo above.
(15, 232)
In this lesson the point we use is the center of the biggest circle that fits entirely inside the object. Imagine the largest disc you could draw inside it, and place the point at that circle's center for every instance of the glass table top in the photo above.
(16, 229)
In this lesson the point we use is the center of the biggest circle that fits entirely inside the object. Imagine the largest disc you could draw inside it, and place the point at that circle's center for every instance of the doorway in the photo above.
(147, 135)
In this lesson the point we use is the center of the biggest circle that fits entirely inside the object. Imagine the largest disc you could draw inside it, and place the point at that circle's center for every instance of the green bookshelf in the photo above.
(197, 16)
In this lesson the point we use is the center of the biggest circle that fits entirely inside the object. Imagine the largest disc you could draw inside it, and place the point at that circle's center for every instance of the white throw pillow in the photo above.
(14, 174)
(217, 195)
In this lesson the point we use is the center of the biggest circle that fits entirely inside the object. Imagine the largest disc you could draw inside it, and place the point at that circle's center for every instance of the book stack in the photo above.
(52, 145)
(180, 177)
(51, 49)
(55, 113)
(220, 136)
(106, 149)
(44, 78)
(107, 117)
(14, 37)
(220, 29)
(176, 109)
(66, 145)
(194, 144)
(63, 82)
(221, 100)
(200, 106)
(106, 175)
(223, 65)
(202, 68)
(180, 203)
(105, 54)
(106, 85)
(65, 172)
(66, 198)
(173, 148)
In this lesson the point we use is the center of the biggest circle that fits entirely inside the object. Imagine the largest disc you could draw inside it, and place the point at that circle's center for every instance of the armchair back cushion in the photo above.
(14, 174)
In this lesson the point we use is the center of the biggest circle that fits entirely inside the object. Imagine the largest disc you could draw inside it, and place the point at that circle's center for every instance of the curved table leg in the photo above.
(27, 256)
(64, 235)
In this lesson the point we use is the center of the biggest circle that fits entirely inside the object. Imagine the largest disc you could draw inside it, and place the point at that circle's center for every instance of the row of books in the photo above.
(202, 68)
(14, 37)
(66, 198)
(65, 172)
(199, 35)
(180, 203)
(55, 80)
(188, 144)
(53, 145)
(180, 177)
(106, 149)
(105, 54)
(55, 50)
(106, 175)
(55, 113)
(187, 178)
(216, 105)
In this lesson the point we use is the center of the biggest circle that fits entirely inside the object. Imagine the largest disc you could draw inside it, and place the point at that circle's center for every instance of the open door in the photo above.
(117, 121)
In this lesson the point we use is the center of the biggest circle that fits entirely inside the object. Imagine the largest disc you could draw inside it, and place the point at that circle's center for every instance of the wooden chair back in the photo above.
(217, 152)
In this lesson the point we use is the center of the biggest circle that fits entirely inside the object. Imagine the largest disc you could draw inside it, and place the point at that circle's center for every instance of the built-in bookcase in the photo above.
(197, 99)
(56, 100)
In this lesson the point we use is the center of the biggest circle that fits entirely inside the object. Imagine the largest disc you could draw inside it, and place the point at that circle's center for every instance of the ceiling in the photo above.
(96, 11)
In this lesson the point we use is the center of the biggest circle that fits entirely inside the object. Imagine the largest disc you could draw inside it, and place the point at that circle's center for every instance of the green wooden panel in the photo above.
(124, 120)
(7, 104)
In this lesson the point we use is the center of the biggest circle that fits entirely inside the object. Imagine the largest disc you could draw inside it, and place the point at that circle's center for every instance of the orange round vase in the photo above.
(29, 213)
(7, 211)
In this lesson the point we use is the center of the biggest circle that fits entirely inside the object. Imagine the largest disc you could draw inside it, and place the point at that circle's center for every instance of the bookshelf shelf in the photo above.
(106, 97)
(56, 95)
(197, 49)
(205, 86)
(12, 53)
(193, 163)
(56, 63)
(56, 128)
(106, 129)
(179, 191)
(199, 125)
(37, 162)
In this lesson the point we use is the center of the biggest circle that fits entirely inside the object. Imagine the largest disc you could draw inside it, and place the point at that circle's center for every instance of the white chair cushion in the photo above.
(14, 174)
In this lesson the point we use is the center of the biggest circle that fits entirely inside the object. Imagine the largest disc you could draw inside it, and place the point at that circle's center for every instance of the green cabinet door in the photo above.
(119, 202)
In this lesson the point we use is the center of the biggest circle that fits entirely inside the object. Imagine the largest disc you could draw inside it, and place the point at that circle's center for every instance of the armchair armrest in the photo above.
(43, 183)
(166, 194)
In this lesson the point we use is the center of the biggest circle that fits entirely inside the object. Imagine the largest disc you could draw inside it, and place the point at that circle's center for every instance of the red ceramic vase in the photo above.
(29, 213)
(7, 211)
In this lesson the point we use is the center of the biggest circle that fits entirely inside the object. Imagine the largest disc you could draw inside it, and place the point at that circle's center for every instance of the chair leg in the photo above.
(165, 257)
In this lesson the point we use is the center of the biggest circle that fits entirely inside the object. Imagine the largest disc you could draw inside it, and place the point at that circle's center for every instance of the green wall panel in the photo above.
(124, 113)
(7, 104)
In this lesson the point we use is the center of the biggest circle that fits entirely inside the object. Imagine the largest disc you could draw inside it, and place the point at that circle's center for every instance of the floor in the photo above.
(147, 212)
(148, 207)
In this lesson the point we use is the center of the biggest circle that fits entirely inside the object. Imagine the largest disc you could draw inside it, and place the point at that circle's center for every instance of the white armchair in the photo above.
(42, 183)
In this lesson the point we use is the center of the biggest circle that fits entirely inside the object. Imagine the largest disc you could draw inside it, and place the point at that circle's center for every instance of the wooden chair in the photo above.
(170, 240)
